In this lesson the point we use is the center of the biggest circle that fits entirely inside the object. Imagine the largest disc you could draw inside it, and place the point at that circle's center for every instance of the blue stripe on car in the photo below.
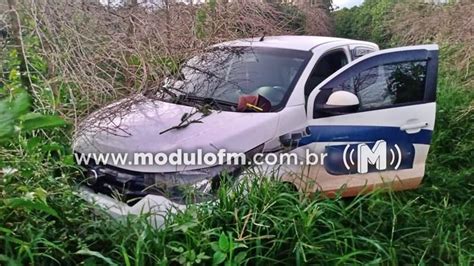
(333, 163)
(364, 134)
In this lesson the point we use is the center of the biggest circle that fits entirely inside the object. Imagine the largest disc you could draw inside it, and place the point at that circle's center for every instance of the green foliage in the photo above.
(31, 205)
(15, 106)
(368, 21)
(450, 167)
(32, 121)
(453, 142)
(43, 221)
(201, 17)
(261, 223)
(28, 157)
(11, 109)
(224, 250)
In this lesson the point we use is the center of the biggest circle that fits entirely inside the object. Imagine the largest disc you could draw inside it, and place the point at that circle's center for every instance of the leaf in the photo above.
(20, 104)
(51, 147)
(223, 243)
(185, 227)
(33, 144)
(32, 121)
(240, 257)
(97, 255)
(215, 246)
(31, 205)
(41, 194)
(218, 258)
(125, 256)
(176, 249)
(6, 130)
(9, 261)
(9, 112)
(6, 120)
(182, 259)
(240, 245)
(6, 230)
(201, 256)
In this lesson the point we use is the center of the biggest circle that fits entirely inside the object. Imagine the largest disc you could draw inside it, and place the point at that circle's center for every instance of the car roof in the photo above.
(295, 42)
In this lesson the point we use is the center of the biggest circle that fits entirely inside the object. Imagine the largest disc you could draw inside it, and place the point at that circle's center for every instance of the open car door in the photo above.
(374, 118)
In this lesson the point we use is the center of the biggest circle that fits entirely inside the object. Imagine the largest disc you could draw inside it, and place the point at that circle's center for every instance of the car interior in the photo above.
(324, 68)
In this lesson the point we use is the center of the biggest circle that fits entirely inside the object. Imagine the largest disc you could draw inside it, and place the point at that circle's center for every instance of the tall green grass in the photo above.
(43, 221)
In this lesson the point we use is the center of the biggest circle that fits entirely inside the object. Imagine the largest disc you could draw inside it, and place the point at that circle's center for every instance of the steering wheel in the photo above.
(281, 89)
(273, 93)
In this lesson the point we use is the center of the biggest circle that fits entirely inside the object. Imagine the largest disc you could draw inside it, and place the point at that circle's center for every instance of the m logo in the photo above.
(376, 156)
(365, 158)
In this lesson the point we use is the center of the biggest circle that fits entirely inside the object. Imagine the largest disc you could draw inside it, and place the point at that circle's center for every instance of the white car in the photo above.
(369, 113)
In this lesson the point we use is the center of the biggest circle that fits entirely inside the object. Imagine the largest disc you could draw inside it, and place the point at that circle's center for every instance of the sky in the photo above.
(346, 3)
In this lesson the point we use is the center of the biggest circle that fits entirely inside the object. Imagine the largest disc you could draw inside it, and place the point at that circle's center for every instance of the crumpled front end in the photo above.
(122, 192)
(148, 127)
(182, 187)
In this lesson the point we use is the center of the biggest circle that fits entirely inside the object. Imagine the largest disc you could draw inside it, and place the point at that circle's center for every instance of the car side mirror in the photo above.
(339, 102)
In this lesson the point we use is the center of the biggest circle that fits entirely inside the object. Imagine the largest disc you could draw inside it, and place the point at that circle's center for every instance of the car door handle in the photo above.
(414, 126)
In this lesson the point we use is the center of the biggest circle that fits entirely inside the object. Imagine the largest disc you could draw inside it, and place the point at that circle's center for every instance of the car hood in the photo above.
(137, 125)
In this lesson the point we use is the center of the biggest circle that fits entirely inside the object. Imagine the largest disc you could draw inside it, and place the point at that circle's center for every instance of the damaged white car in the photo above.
(369, 113)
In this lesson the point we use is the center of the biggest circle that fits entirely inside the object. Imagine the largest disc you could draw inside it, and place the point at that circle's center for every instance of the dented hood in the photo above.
(135, 127)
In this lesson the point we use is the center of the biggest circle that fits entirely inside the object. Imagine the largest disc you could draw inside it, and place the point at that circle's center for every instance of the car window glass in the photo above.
(227, 74)
(386, 85)
(325, 67)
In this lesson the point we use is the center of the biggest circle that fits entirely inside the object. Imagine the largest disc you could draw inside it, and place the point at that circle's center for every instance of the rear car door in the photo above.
(384, 138)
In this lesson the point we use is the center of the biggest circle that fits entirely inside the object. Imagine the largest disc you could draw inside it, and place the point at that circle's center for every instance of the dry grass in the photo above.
(452, 25)
(96, 54)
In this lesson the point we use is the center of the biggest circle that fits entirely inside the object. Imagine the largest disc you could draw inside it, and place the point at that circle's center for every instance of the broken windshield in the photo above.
(226, 74)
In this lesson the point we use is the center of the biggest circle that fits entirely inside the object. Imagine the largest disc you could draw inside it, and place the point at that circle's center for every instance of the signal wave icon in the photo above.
(363, 156)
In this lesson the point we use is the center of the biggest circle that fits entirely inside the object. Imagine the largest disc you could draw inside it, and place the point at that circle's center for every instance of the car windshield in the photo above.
(226, 74)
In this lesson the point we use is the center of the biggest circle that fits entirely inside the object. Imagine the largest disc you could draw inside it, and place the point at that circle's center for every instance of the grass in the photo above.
(268, 224)
(43, 221)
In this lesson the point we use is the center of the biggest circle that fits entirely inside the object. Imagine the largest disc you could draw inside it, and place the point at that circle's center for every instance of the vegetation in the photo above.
(43, 221)
(369, 21)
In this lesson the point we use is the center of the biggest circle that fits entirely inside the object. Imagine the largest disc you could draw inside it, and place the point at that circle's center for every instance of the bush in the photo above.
(366, 22)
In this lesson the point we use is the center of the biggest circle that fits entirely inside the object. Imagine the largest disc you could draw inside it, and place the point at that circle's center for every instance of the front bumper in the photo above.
(157, 207)
(121, 192)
